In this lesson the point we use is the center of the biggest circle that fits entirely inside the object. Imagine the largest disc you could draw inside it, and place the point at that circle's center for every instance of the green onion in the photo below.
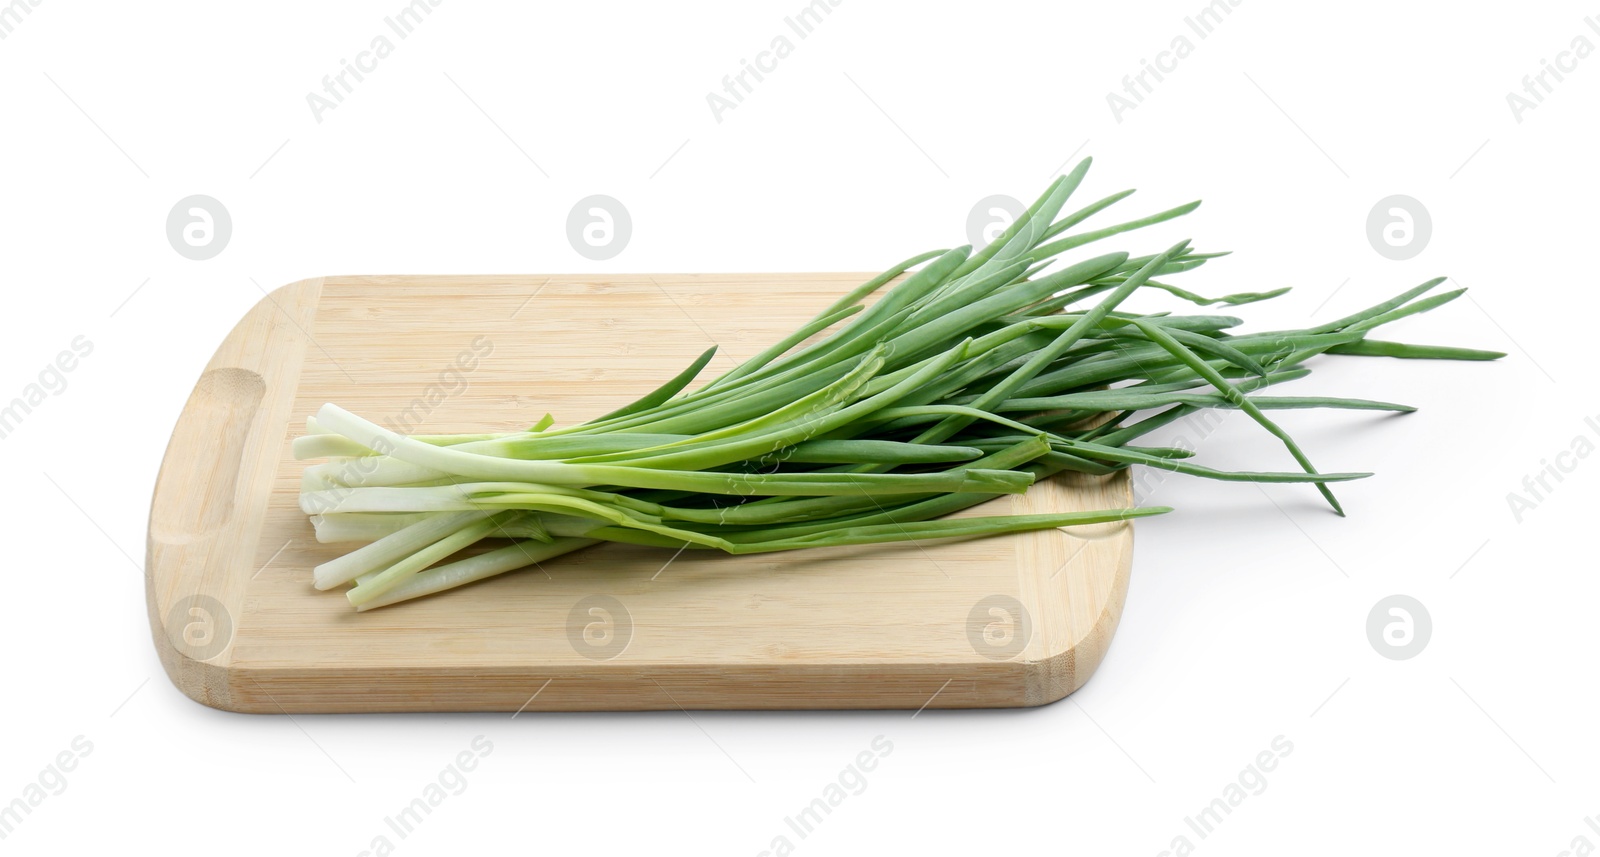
(971, 377)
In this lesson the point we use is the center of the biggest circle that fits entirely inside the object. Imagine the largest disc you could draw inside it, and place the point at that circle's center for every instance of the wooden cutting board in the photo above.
(1011, 621)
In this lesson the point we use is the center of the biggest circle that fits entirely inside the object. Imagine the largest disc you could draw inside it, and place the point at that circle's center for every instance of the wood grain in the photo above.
(240, 627)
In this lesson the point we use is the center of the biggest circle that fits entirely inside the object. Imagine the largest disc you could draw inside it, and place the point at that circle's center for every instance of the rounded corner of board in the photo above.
(208, 682)
(296, 290)
(1055, 675)
(1059, 676)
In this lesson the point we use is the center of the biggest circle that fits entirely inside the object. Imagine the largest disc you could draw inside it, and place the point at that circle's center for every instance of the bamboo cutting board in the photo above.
(1010, 621)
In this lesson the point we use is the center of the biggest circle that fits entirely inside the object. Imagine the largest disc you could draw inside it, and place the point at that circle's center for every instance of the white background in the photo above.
(869, 143)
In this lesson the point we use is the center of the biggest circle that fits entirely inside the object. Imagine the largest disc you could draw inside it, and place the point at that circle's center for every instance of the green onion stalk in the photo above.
(974, 375)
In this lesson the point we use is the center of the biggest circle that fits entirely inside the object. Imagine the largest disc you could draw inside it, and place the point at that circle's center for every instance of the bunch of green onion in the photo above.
(975, 376)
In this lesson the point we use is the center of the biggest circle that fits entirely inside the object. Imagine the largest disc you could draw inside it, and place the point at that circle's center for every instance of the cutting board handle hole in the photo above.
(207, 449)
